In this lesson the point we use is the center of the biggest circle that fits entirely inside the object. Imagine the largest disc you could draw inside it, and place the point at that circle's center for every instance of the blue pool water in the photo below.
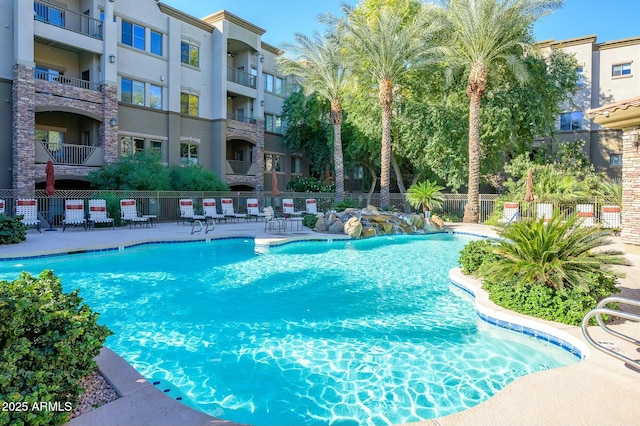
(344, 332)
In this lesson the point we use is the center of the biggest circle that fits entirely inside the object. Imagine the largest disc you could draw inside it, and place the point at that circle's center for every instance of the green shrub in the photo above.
(195, 178)
(347, 203)
(12, 230)
(309, 220)
(146, 172)
(567, 306)
(309, 184)
(475, 254)
(48, 342)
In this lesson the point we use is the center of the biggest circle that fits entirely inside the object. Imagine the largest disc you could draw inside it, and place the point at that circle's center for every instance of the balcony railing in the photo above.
(67, 19)
(241, 77)
(242, 118)
(69, 154)
(67, 81)
(245, 168)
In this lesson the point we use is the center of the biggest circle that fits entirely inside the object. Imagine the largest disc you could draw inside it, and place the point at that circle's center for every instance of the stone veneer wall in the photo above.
(23, 125)
(253, 133)
(631, 187)
(29, 93)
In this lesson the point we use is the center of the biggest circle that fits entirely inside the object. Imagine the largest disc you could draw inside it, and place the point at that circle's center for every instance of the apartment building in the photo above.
(83, 82)
(608, 72)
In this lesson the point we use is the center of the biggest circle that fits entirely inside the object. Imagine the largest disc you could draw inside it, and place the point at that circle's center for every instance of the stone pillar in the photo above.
(631, 186)
(109, 133)
(23, 127)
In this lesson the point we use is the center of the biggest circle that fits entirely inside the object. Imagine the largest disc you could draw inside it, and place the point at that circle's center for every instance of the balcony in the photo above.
(67, 81)
(240, 77)
(244, 168)
(69, 154)
(67, 19)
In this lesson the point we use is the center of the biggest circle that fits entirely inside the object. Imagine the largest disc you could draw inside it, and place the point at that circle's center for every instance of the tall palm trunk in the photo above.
(338, 163)
(475, 90)
(386, 101)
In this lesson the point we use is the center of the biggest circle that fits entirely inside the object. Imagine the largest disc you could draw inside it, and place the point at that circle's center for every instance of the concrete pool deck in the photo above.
(597, 391)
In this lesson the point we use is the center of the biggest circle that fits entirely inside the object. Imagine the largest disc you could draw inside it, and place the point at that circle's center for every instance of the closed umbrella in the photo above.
(528, 196)
(274, 183)
(50, 190)
(51, 179)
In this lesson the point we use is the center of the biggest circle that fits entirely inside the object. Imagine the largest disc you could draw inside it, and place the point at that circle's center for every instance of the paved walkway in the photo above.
(598, 391)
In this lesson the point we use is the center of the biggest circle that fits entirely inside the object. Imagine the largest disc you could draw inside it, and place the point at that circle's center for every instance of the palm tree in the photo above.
(486, 34)
(317, 63)
(426, 195)
(382, 46)
(558, 254)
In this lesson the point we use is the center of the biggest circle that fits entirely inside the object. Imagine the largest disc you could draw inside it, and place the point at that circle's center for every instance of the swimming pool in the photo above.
(344, 332)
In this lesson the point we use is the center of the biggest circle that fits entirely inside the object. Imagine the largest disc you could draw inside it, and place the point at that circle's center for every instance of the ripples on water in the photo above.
(347, 332)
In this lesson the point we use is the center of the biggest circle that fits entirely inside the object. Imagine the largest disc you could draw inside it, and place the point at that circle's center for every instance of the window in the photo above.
(580, 76)
(189, 104)
(155, 96)
(358, 172)
(272, 123)
(615, 160)
(571, 120)
(132, 91)
(190, 54)
(272, 162)
(130, 145)
(296, 165)
(279, 86)
(621, 69)
(133, 35)
(268, 82)
(188, 154)
(156, 147)
(53, 137)
(156, 43)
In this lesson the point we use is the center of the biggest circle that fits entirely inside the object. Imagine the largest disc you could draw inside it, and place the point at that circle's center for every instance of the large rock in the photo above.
(438, 221)
(337, 227)
(353, 227)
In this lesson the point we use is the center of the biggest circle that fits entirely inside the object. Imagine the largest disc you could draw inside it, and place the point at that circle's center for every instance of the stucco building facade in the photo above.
(83, 82)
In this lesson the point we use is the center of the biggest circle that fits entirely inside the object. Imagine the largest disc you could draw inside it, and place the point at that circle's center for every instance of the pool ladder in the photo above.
(602, 310)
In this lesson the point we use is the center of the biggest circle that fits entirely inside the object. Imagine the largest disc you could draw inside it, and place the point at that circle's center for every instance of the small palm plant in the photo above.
(426, 195)
(558, 254)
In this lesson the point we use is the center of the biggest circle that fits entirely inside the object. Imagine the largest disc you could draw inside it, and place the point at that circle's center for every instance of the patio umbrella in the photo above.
(528, 196)
(51, 179)
(274, 183)
(50, 190)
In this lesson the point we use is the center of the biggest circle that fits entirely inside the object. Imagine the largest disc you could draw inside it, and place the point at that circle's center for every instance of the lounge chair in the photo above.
(129, 213)
(187, 213)
(272, 222)
(28, 208)
(510, 212)
(610, 217)
(544, 211)
(74, 214)
(229, 212)
(2, 207)
(210, 210)
(253, 210)
(98, 213)
(312, 206)
(585, 212)
(287, 208)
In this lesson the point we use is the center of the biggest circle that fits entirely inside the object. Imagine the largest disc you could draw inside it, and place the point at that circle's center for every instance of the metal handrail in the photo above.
(68, 19)
(601, 310)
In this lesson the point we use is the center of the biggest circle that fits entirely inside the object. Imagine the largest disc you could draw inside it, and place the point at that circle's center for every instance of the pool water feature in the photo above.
(344, 332)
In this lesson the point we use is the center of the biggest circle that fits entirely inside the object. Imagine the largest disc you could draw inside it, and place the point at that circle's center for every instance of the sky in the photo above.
(282, 19)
